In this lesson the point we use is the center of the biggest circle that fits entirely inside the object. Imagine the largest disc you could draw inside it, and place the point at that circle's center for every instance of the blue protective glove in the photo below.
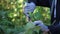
(40, 23)
(29, 7)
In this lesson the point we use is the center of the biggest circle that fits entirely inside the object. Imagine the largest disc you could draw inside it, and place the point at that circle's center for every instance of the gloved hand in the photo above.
(29, 7)
(40, 23)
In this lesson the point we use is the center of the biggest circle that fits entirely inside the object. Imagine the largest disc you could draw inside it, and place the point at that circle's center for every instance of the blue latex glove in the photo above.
(40, 24)
(29, 7)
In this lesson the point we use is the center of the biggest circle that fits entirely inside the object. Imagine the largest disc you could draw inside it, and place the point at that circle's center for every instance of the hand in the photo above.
(29, 7)
(40, 23)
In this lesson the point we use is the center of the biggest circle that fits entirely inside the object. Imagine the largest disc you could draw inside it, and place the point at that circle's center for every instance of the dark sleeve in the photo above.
(45, 3)
(54, 29)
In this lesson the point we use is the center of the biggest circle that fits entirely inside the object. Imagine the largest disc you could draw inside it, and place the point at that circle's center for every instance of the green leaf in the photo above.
(29, 25)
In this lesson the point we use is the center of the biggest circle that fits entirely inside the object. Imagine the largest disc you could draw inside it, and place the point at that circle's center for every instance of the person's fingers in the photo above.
(29, 7)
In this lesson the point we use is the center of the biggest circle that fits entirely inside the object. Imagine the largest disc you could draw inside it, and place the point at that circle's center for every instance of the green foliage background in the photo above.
(13, 21)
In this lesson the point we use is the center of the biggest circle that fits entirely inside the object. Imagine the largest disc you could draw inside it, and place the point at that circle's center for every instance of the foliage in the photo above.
(13, 20)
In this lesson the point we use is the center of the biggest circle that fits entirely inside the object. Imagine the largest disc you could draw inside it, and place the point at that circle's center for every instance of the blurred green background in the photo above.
(13, 21)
